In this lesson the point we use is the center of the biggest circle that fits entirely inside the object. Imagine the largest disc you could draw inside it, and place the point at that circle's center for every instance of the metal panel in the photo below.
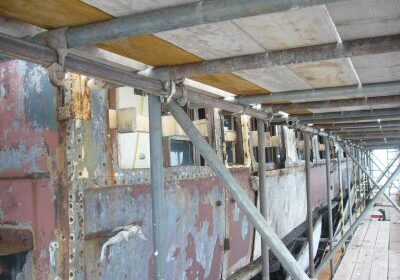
(378, 67)
(275, 79)
(327, 73)
(365, 18)
(290, 29)
(211, 41)
(194, 233)
(29, 142)
(240, 230)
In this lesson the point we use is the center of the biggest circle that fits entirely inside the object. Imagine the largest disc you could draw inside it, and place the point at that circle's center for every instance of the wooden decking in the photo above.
(374, 251)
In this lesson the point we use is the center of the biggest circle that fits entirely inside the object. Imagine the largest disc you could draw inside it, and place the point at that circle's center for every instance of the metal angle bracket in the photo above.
(56, 39)
(294, 123)
(270, 115)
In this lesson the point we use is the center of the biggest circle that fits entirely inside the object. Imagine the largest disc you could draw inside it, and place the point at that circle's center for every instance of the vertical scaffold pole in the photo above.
(262, 193)
(329, 198)
(157, 185)
(310, 226)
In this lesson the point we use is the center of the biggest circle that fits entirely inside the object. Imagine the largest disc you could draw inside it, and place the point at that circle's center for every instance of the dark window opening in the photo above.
(181, 153)
(273, 130)
(202, 113)
(11, 265)
(228, 122)
(299, 135)
(230, 152)
(202, 161)
(253, 124)
(301, 154)
(189, 112)
(321, 141)
(300, 150)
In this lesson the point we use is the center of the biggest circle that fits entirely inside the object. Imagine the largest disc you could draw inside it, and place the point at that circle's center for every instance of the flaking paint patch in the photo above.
(2, 214)
(236, 214)
(39, 97)
(22, 156)
(186, 232)
(245, 228)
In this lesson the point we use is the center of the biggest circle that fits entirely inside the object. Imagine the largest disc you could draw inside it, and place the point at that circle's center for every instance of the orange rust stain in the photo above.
(150, 50)
(231, 83)
(327, 73)
(51, 14)
(81, 101)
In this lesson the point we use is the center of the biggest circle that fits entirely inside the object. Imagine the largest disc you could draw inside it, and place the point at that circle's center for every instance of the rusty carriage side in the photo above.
(70, 182)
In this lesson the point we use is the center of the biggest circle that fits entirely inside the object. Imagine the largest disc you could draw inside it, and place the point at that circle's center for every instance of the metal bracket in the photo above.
(270, 115)
(293, 123)
(183, 100)
(56, 40)
(65, 113)
(171, 86)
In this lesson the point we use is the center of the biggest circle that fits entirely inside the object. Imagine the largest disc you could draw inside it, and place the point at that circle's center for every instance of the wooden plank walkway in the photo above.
(374, 251)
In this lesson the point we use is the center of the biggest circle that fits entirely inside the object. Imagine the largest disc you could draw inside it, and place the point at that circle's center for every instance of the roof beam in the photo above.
(376, 133)
(367, 90)
(338, 104)
(377, 143)
(353, 119)
(364, 137)
(365, 129)
(353, 125)
(350, 120)
(277, 58)
(186, 15)
(350, 114)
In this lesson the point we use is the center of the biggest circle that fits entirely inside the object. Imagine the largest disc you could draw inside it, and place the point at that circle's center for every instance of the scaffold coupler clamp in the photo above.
(176, 91)
(293, 123)
(56, 39)
(270, 115)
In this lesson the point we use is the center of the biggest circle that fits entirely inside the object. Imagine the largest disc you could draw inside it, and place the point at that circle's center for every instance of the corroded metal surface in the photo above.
(28, 145)
(61, 180)
(15, 240)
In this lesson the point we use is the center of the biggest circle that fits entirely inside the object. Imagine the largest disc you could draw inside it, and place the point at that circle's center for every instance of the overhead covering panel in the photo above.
(290, 29)
(276, 79)
(231, 83)
(327, 73)
(386, 106)
(299, 112)
(344, 109)
(50, 14)
(120, 8)
(212, 41)
(366, 18)
(150, 50)
(146, 49)
(378, 68)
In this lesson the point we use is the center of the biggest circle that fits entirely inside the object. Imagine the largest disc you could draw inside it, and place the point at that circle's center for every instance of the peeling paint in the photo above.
(30, 158)
(2, 213)
(245, 228)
